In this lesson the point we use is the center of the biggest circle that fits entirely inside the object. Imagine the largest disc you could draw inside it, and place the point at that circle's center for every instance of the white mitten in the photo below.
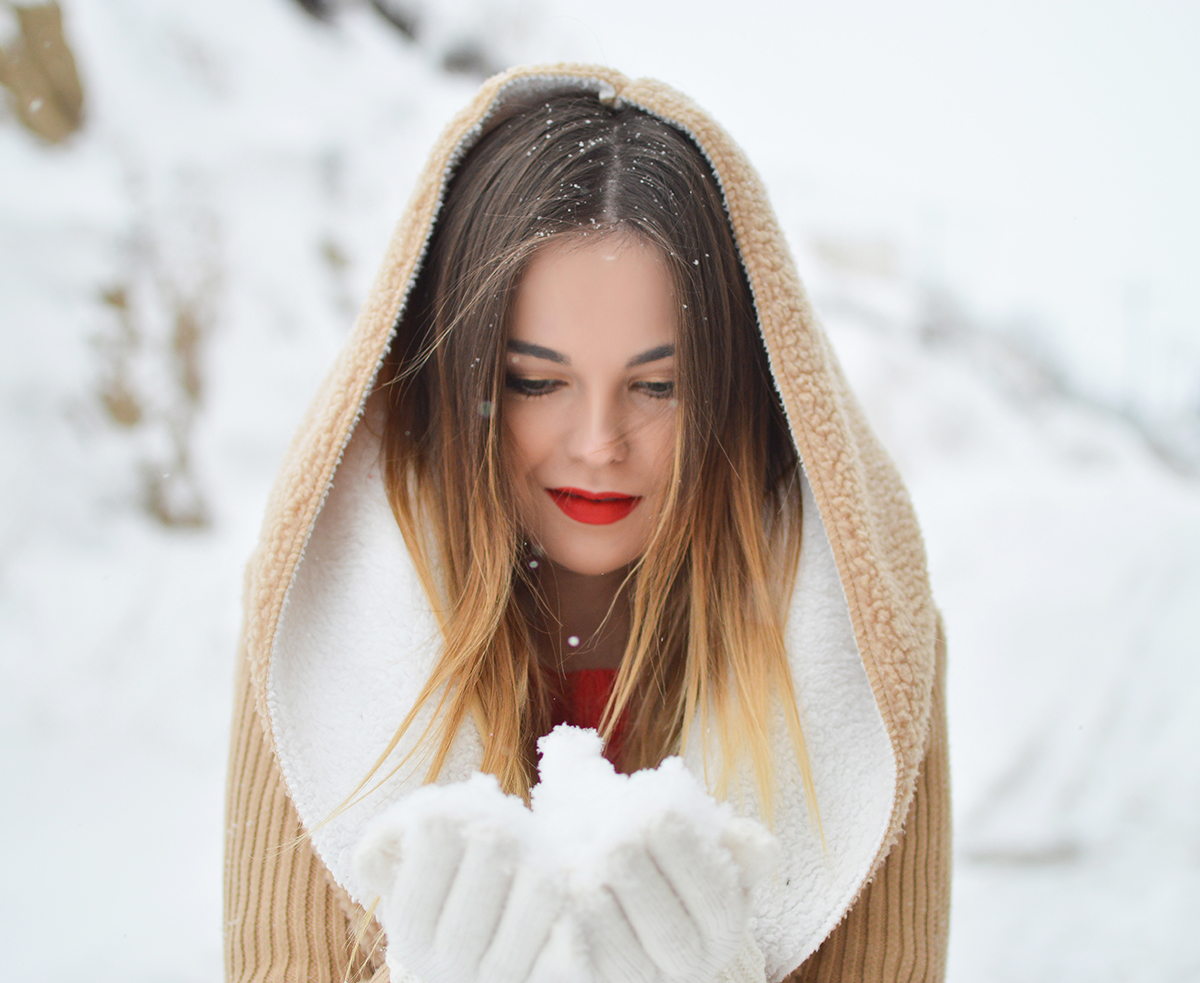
(748, 967)
(663, 874)
(461, 899)
(674, 903)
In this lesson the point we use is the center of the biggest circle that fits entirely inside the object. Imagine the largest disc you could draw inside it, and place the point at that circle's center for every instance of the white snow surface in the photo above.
(601, 809)
(242, 166)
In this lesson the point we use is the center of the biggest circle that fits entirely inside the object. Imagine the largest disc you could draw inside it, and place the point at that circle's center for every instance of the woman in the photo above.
(587, 423)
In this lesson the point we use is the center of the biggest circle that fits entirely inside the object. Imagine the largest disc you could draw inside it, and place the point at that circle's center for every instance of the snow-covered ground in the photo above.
(1064, 557)
(173, 283)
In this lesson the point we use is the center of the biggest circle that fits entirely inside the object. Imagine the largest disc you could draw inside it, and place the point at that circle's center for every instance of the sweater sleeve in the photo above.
(898, 929)
(286, 921)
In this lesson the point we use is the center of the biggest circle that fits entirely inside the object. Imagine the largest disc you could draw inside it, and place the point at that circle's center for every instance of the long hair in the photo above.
(709, 594)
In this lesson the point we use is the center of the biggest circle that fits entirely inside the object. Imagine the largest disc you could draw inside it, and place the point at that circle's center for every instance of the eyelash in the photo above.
(658, 390)
(532, 388)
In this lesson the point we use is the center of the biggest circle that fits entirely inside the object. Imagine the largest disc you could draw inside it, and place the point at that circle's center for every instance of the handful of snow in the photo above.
(606, 878)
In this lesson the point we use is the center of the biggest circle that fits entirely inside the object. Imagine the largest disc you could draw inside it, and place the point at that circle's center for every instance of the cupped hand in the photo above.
(461, 898)
(672, 905)
(609, 879)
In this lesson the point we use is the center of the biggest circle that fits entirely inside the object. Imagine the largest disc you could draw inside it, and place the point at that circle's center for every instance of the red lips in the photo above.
(594, 508)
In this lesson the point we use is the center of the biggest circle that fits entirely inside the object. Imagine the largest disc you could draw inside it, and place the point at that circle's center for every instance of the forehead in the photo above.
(595, 296)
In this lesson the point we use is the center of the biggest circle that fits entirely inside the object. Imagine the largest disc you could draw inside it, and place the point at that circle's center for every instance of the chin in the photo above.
(590, 551)
(590, 562)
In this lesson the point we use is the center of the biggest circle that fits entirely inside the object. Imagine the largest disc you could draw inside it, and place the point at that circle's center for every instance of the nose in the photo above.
(599, 436)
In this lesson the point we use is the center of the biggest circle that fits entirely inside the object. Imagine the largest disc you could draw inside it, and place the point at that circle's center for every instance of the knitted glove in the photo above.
(460, 899)
(748, 967)
(661, 874)
(673, 904)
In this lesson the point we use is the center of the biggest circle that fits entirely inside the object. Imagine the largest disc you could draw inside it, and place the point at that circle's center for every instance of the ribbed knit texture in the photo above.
(288, 922)
(748, 967)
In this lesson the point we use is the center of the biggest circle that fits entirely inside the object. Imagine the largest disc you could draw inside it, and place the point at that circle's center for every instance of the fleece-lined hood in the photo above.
(340, 636)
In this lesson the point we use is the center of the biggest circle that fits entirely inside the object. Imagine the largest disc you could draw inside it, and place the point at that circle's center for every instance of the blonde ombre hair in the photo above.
(708, 597)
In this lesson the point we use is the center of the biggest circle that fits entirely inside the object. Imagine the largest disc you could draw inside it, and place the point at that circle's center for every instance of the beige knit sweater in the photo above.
(872, 906)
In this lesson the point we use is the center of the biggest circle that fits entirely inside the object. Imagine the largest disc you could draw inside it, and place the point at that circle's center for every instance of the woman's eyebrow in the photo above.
(538, 351)
(653, 355)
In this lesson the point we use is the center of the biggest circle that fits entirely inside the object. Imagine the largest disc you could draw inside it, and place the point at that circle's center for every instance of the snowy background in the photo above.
(996, 211)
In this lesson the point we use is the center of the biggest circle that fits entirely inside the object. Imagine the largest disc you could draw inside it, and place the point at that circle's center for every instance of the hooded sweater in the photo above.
(339, 637)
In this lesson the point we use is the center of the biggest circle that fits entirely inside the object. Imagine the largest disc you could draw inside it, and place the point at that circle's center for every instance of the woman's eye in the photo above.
(656, 389)
(530, 387)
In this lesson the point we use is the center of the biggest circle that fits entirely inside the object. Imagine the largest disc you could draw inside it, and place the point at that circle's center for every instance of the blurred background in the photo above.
(996, 209)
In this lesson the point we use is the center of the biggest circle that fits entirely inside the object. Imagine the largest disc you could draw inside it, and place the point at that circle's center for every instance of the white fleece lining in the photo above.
(357, 640)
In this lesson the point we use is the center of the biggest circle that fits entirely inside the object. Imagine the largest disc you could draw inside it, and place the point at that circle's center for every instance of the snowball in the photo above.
(583, 808)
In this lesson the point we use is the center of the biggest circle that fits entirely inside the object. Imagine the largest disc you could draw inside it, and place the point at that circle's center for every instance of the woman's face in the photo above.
(589, 409)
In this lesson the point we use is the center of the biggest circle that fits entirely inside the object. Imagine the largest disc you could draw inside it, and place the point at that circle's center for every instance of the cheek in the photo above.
(527, 439)
(659, 442)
